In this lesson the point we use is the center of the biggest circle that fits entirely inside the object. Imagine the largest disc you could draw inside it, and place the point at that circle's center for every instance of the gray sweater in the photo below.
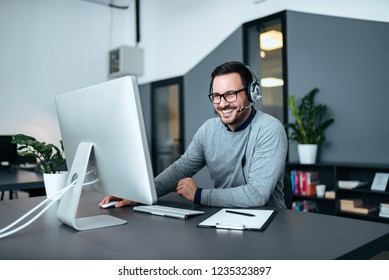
(258, 182)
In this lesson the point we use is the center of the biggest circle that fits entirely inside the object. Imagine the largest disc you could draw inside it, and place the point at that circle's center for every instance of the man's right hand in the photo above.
(121, 202)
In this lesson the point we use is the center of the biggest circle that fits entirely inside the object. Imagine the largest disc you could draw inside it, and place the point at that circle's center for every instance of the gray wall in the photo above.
(348, 60)
(197, 106)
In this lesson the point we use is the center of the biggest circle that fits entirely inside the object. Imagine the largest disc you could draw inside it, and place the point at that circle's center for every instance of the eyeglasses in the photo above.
(229, 96)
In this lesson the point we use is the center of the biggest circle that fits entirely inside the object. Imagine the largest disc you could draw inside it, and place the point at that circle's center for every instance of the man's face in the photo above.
(228, 110)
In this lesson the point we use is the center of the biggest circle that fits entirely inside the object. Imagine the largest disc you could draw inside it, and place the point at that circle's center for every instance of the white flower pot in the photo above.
(307, 153)
(54, 183)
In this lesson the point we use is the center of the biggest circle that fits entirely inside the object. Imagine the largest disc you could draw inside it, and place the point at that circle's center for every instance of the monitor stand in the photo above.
(68, 206)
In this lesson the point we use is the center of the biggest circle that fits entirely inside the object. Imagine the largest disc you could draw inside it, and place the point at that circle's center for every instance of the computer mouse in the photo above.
(109, 204)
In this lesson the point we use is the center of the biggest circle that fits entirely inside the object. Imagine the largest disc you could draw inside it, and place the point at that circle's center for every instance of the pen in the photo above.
(240, 213)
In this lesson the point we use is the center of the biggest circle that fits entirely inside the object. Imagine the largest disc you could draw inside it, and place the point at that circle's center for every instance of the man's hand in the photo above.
(187, 188)
(121, 202)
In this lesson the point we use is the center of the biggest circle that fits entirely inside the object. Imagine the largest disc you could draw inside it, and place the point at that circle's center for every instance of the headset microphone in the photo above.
(244, 108)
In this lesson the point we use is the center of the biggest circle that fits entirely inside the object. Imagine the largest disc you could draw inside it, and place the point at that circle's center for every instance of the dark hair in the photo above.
(232, 67)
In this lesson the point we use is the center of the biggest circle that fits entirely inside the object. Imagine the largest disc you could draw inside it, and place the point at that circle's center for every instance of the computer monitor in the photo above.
(102, 129)
(8, 152)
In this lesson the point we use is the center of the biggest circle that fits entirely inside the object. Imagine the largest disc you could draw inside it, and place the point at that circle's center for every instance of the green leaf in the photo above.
(310, 119)
(49, 157)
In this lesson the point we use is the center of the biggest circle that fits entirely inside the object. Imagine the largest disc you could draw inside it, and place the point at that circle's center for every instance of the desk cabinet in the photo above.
(330, 174)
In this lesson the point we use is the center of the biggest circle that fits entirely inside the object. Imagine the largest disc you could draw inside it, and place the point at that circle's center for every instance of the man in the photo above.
(244, 149)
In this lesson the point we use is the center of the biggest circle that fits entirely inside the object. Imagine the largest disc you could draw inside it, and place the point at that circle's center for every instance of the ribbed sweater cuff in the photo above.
(197, 197)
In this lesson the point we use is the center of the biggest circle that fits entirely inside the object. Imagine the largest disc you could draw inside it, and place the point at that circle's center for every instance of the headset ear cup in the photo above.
(255, 93)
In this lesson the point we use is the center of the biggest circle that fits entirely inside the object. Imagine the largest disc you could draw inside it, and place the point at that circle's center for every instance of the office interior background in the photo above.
(340, 46)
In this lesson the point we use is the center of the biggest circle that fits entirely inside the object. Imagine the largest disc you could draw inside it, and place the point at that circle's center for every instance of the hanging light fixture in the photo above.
(272, 82)
(271, 40)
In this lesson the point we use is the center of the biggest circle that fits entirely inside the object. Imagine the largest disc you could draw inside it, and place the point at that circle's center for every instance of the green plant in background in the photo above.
(310, 119)
(49, 157)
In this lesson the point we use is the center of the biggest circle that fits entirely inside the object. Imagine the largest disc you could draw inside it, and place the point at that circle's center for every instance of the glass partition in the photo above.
(264, 47)
(166, 122)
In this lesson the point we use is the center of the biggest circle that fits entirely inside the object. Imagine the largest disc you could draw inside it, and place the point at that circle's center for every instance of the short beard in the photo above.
(233, 121)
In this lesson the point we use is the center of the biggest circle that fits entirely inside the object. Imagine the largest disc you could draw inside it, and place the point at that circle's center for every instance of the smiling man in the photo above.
(243, 148)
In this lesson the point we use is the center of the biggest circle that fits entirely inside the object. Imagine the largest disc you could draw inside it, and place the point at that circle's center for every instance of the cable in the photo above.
(30, 221)
(92, 182)
(36, 208)
(243, 161)
(52, 200)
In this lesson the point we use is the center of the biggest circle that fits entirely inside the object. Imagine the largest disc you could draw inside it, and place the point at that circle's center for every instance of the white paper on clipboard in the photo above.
(224, 220)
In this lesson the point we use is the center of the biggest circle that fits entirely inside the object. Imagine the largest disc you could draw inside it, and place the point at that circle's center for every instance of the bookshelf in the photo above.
(330, 174)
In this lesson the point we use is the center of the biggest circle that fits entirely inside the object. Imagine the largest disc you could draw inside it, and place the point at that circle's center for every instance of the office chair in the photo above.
(288, 191)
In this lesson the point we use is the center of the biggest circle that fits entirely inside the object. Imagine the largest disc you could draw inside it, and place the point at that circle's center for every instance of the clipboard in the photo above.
(239, 219)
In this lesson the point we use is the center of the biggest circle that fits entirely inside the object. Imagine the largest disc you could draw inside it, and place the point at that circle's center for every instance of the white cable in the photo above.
(29, 222)
(53, 199)
(60, 192)
(92, 182)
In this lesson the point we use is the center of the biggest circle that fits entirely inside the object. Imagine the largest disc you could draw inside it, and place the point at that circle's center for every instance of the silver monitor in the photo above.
(103, 130)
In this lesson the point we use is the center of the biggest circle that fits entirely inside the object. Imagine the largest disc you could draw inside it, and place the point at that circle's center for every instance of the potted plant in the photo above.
(309, 126)
(49, 159)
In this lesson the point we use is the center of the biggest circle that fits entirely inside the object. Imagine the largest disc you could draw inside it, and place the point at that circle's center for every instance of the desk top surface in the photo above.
(14, 178)
(290, 235)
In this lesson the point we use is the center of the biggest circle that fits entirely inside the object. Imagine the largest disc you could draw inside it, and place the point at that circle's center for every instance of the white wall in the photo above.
(177, 34)
(52, 46)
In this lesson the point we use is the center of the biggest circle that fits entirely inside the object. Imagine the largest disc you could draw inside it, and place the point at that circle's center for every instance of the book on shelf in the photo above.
(364, 209)
(351, 184)
(383, 215)
(384, 205)
(305, 206)
(356, 206)
(330, 194)
(304, 182)
(351, 202)
(384, 209)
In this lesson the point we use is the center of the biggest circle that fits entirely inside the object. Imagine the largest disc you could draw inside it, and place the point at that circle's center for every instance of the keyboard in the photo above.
(167, 211)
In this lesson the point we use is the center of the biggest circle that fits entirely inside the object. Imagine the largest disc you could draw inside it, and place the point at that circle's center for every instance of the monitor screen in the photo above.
(8, 151)
(103, 130)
